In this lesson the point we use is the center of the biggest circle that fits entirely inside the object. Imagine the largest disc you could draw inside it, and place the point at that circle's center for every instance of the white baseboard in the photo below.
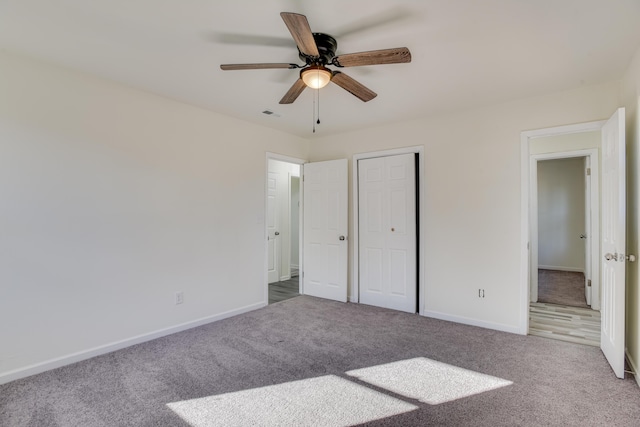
(474, 322)
(560, 268)
(633, 366)
(118, 345)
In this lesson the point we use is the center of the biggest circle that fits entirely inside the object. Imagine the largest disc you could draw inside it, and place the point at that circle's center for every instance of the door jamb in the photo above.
(262, 219)
(594, 226)
(354, 295)
(525, 260)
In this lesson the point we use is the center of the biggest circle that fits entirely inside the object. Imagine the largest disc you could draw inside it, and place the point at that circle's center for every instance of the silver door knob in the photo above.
(341, 237)
(630, 258)
(277, 233)
(609, 257)
(583, 236)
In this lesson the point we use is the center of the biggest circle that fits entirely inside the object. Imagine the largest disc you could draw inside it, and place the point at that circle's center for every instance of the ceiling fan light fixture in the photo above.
(316, 76)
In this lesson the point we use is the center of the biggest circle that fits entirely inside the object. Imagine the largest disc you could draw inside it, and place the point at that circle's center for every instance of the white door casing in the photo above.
(528, 204)
(325, 229)
(587, 237)
(387, 232)
(273, 242)
(613, 242)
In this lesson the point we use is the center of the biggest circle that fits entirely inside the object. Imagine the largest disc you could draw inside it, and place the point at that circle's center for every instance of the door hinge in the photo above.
(588, 171)
(589, 283)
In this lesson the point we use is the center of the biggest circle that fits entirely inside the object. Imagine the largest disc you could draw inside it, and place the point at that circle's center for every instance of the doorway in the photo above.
(565, 242)
(611, 240)
(565, 227)
(282, 228)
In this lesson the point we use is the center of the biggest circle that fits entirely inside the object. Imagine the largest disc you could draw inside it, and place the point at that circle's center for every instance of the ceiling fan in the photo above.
(318, 51)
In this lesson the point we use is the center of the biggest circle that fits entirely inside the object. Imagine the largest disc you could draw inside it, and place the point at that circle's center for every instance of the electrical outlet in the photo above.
(179, 298)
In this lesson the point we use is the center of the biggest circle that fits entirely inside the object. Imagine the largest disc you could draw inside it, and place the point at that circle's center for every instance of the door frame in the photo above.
(354, 294)
(262, 219)
(593, 220)
(525, 229)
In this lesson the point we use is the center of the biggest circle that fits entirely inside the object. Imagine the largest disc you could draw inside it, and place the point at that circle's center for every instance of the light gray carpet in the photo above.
(291, 358)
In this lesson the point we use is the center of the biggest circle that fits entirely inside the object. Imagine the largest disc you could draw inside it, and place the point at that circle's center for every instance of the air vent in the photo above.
(270, 113)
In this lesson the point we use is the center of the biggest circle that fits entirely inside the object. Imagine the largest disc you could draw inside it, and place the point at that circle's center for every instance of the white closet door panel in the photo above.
(387, 239)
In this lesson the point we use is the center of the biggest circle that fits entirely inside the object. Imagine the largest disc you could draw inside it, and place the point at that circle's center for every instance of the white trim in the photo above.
(418, 149)
(563, 130)
(472, 322)
(118, 345)
(633, 366)
(561, 268)
(525, 173)
(265, 268)
(525, 260)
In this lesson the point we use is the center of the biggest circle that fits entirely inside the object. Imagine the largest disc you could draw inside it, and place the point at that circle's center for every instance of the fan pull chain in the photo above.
(316, 116)
(314, 112)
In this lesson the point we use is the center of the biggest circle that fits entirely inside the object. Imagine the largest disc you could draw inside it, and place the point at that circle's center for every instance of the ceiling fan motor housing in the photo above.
(327, 46)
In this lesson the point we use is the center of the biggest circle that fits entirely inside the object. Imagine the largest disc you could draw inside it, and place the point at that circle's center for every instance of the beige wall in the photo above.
(561, 214)
(630, 94)
(472, 195)
(114, 199)
(102, 184)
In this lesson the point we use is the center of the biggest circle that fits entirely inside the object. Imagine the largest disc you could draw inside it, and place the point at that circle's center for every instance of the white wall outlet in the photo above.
(179, 298)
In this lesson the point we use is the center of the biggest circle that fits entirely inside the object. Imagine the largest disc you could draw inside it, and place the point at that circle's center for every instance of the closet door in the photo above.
(387, 232)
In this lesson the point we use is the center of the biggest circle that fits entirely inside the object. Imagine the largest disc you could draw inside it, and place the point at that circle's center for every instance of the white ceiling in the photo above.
(466, 53)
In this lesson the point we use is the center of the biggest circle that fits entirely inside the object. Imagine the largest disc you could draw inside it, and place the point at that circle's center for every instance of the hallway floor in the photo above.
(280, 291)
(573, 324)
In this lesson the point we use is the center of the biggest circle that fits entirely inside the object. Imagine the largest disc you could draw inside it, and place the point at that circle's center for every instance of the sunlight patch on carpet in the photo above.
(427, 380)
(322, 401)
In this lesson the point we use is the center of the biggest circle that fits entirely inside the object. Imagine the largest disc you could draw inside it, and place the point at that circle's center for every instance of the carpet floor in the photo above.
(561, 287)
(308, 361)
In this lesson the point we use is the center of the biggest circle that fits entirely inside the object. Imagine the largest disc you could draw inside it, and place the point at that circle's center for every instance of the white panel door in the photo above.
(613, 242)
(387, 232)
(325, 229)
(273, 242)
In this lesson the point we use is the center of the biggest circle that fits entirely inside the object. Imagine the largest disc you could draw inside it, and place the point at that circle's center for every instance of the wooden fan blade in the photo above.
(352, 86)
(301, 32)
(374, 57)
(293, 93)
(228, 67)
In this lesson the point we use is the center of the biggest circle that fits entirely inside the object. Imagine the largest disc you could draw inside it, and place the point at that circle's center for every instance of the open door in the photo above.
(613, 242)
(325, 229)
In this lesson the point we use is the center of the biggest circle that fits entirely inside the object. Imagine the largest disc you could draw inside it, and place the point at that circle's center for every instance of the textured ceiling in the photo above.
(466, 53)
